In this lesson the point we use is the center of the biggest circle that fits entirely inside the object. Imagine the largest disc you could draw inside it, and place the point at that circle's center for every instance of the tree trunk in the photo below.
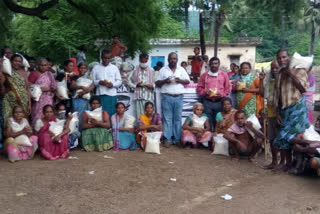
(212, 17)
(202, 42)
(219, 21)
(283, 32)
(186, 16)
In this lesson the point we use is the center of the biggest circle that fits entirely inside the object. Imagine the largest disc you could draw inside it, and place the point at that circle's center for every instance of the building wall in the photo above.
(246, 53)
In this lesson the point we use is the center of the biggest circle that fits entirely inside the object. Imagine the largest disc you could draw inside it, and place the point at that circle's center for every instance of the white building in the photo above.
(243, 49)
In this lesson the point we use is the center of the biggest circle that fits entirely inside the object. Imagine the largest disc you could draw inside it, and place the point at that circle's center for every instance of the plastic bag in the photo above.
(129, 121)
(95, 114)
(255, 122)
(153, 142)
(23, 140)
(25, 62)
(56, 128)
(7, 66)
(85, 83)
(74, 122)
(198, 121)
(221, 146)
(311, 134)
(35, 91)
(62, 90)
(299, 61)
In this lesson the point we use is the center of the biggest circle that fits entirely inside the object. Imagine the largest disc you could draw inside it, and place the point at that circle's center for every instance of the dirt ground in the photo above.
(136, 182)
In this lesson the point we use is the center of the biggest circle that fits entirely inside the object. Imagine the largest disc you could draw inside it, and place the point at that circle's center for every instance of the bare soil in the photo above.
(137, 182)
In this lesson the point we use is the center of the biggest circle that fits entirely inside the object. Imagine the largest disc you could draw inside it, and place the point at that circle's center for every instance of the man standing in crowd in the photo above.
(273, 127)
(212, 87)
(107, 79)
(293, 117)
(171, 80)
(142, 80)
(7, 52)
(117, 48)
(196, 64)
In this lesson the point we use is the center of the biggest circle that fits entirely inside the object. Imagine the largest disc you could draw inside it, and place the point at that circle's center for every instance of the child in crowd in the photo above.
(17, 127)
(196, 64)
(196, 128)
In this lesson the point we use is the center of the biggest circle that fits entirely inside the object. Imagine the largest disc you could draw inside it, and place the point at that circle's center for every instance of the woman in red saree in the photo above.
(52, 148)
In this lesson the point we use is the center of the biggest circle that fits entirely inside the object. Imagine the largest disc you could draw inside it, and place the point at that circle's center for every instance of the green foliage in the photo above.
(135, 22)
(5, 20)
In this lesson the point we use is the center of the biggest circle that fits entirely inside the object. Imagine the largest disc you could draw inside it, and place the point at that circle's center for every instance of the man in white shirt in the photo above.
(171, 80)
(107, 79)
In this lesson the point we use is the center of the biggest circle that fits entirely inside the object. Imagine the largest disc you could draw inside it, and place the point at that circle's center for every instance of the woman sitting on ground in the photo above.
(148, 122)
(17, 126)
(196, 128)
(123, 137)
(95, 135)
(51, 147)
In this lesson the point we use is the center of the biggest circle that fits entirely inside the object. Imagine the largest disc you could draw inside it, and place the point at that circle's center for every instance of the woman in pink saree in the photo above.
(52, 148)
(48, 86)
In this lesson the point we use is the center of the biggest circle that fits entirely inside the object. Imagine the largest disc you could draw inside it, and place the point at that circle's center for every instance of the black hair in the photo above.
(183, 62)
(3, 50)
(226, 99)
(214, 59)
(235, 65)
(59, 105)
(15, 108)
(239, 112)
(95, 98)
(196, 48)
(245, 63)
(67, 62)
(105, 51)
(49, 60)
(47, 106)
(81, 64)
(143, 56)
(15, 56)
(172, 54)
(283, 50)
(159, 64)
(205, 57)
(82, 48)
(114, 36)
(120, 103)
(31, 58)
(148, 103)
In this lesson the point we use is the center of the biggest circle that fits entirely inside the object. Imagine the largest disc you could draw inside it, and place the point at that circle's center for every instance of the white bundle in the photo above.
(129, 121)
(95, 114)
(153, 142)
(62, 90)
(7, 66)
(22, 139)
(56, 128)
(311, 134)
(299, 61)
(255, 123)
(35, 91)
(74, 123)
(85, 83)
(221, 146)
(198, 122)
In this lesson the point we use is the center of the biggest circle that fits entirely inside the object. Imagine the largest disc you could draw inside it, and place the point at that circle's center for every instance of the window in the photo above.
(234, 59)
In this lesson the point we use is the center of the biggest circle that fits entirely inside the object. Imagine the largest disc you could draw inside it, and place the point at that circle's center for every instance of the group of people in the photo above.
(227, 99)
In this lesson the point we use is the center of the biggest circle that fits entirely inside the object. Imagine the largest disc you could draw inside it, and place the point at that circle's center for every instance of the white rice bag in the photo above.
(311, 134)
(255, 123)
(23, 140)
(198, 122)
(74, 123)
(221, 146)
(153, 142)
(95, 114)
(129, 121)
(62, 90)
(56, 128)
(85, 83)
(299, 61)
(35, 91)
(7, 66)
